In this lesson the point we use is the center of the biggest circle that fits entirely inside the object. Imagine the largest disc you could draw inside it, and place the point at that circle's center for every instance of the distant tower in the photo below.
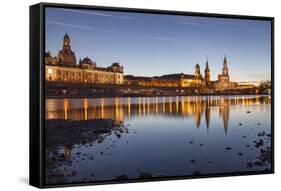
(225, 69)
(66, 56)
(207, 74)
(66, 42)
(197, 75)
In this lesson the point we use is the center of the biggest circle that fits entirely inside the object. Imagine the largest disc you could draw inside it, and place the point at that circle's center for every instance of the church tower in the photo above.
(66, 56)
(197, 75)
(225, 69)
(66, 42)
(197, 71)
(207, 74)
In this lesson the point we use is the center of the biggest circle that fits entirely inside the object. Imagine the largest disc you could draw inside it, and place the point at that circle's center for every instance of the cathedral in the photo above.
(223, 81)
(64, 68)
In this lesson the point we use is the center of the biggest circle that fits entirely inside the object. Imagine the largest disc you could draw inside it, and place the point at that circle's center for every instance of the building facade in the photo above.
(180, 80)
(64, 68)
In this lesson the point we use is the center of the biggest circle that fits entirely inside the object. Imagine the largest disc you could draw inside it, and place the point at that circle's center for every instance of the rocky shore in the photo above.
(264, 156)
(70, 132)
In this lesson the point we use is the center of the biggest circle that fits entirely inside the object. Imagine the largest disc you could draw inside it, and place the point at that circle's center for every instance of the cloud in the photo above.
(215, 26)
(107, 30)
(84, 27)
(194, 24)
(157, 38)
(97, 14)
(260, 32)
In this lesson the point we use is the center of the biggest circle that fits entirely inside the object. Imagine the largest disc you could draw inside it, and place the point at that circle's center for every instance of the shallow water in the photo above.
(170, 136)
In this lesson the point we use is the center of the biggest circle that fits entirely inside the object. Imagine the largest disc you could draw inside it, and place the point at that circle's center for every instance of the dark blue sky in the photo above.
(151, 44)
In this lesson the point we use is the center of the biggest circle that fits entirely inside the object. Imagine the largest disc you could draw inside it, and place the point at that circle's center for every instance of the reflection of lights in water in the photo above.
(116, 108)
(148, 104)
(129, 107)
(182, 106)
(156, 105)
(85, 102)
(170, 104)
(163, 104)
(177, 104)
(139, 104)
(143, 105)
(65, 107)
(102, 107)
(67, 152)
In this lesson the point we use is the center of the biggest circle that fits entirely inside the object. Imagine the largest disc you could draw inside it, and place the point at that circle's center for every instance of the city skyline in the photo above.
(107, 37)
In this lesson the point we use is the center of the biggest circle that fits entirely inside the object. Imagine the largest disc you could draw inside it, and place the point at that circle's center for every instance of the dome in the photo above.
(67, 57)
(197, 66)
(86, 61)
(116, 64)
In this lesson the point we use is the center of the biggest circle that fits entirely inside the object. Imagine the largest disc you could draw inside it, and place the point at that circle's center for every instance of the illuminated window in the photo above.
(50, 71)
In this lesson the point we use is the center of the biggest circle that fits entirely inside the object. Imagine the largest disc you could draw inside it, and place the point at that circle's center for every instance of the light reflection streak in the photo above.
(137, 107)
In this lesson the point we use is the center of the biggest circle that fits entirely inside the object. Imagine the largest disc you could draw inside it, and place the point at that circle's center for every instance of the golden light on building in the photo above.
(50, 71)
(65, 69)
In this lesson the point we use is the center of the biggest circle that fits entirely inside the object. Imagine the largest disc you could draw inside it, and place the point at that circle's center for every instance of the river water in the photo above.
(167, 136)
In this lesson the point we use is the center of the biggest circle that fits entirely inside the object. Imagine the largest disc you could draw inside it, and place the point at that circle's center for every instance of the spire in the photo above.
(207, 63)
(66, 36)
(224, 68)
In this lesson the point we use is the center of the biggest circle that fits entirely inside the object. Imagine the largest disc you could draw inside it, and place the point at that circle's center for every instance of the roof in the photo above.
(86, 60)
(131, 77)
(177, 76)
(66, 36)
(166, 77)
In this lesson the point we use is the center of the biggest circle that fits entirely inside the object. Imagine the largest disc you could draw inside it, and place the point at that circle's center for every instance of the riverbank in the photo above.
(70, 132)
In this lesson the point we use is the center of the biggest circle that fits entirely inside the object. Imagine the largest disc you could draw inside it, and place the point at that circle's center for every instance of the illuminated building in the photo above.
(64, 68)
(223, 81)
(168, 80)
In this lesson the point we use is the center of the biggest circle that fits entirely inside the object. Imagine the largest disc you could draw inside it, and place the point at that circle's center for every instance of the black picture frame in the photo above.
(37, 95)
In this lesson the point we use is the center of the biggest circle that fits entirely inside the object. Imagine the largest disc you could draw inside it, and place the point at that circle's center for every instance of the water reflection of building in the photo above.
(207, 113)
(126, 108)
(224, 113)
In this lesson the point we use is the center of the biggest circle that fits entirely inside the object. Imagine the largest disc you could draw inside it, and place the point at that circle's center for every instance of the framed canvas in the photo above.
(122, 95)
